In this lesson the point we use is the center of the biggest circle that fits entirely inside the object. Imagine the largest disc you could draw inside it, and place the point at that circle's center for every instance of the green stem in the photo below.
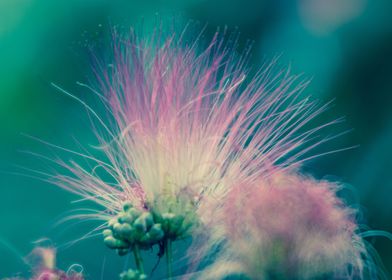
(138, 259)
(169, 258)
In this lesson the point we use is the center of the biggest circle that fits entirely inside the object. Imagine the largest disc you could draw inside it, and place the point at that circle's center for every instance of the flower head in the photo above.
(288, 227)
(185, 124)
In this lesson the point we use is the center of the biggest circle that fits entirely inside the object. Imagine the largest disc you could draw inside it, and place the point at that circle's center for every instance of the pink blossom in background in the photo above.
(43, 262)
(289, 227)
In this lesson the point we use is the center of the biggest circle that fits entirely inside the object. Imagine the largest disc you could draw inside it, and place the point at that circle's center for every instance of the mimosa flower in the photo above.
(288, 227)
(187, 123)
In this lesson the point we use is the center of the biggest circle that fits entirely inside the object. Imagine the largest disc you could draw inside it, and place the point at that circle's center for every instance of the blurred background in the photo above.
(344, 46)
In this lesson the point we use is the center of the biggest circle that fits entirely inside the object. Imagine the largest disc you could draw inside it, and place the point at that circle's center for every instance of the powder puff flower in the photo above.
(185, 123)
(287, 227)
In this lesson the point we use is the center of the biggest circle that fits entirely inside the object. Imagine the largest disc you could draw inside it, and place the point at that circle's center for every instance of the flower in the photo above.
(184, 124)
(288, 227)
(44, 267)
(47, 270)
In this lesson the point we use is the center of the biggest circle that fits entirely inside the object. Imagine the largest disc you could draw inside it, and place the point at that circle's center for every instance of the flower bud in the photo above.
(127, 205)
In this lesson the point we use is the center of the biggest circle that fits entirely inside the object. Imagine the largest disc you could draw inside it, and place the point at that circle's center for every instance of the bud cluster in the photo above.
(132, 274)
(175, 226)
(132, 227)
(176, 213)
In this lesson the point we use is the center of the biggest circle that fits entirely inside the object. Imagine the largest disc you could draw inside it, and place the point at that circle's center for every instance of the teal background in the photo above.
(345, 47)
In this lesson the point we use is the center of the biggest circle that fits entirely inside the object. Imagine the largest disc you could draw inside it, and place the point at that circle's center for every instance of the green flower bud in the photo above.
(128, 275)
(156, 232)
(144, 222)
(127, 218)
(133, 275)
(145, 240)
(134, 212)
(112, 222)
(107, 232)
(114, 243)
(126, 229)
(166, 218)
(127, 205)
(148, 218)
(111, 242)
(116, 228)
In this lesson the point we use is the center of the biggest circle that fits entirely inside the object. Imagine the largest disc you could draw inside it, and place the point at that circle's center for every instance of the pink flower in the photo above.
(43, 262)
(186, 123)
(290, 227)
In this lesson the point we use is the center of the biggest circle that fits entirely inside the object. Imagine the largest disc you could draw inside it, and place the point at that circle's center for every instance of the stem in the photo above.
(169, 258)
(138, 259)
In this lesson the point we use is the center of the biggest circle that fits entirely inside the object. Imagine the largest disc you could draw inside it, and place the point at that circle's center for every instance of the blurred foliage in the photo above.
(344, 46)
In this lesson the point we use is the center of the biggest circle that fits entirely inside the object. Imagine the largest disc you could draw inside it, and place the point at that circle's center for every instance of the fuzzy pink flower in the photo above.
(186, 123)
(287, 227)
